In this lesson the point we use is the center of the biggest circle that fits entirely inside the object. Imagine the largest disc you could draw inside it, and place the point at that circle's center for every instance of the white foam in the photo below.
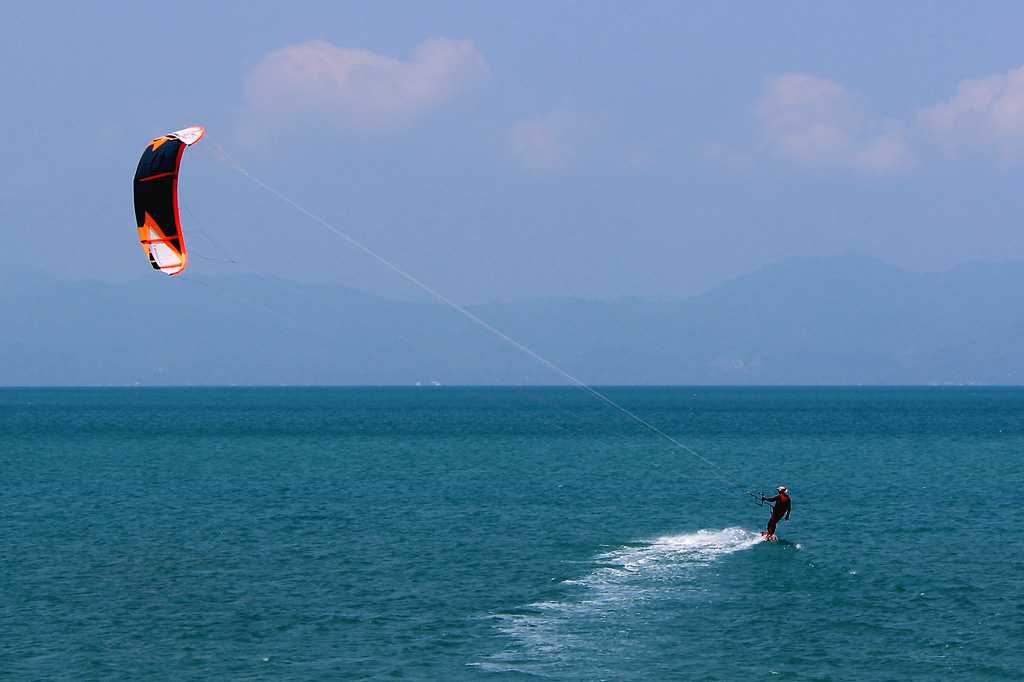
(666, 563)
(701, 547)
(623, 578)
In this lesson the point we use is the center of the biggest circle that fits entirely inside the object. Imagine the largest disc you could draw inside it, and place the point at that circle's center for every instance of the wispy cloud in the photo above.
(565, 141)
(986, 114)
(555, 142)
(357, 89)
(817, 122)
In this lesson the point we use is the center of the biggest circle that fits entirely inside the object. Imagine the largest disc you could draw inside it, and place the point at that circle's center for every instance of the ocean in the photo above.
(510, 533)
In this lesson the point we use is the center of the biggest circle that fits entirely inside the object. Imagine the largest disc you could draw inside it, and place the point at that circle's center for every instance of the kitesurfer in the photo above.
(780, 509)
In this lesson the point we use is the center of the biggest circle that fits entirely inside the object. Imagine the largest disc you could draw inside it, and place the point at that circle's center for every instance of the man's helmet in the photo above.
(782, 489)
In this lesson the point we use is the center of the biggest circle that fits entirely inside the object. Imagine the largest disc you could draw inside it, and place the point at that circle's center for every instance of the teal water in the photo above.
(463, 533)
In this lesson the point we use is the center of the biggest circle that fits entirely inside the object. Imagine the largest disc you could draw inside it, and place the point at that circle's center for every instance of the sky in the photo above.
(516, 151)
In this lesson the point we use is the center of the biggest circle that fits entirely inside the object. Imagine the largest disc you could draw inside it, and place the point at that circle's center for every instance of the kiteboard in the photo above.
(776, 540)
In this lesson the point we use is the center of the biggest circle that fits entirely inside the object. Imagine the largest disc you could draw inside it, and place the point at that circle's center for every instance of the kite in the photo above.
(156, 200)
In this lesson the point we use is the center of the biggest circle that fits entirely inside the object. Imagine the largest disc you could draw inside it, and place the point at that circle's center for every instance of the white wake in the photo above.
(622, 582)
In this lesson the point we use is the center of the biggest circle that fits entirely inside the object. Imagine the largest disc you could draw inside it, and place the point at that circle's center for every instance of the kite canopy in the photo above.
(156, 200)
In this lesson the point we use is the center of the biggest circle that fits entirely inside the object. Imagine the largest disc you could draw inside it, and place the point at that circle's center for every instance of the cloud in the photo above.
(357, 89)
(555, 142)
(815, 121)
(986, 113)
(564, 141)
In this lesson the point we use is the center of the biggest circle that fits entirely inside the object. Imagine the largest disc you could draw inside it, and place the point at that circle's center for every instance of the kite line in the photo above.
(720, 473)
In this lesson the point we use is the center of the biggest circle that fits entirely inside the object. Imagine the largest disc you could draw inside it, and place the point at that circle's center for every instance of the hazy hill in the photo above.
(841, 320)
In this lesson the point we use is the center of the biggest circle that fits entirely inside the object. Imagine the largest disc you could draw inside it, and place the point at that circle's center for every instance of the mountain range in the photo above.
(838, 320)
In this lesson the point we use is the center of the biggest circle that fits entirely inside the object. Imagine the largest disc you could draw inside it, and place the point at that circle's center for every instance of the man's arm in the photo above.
(769, 499)
(789, 509)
